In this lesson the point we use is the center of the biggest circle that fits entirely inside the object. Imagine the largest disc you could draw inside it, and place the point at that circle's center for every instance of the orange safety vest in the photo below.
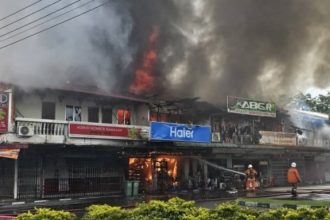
(293, 175)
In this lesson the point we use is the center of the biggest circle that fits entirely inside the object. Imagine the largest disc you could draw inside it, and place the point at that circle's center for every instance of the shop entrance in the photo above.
(155, 174)
(7, 177)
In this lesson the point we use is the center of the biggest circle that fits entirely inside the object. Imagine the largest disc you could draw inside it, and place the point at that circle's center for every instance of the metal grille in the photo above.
(41, 176)
(29, 181)
(84, 177)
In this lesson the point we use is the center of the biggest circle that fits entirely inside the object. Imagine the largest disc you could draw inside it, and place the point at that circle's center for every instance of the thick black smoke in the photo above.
(250, 48)
(210, 49)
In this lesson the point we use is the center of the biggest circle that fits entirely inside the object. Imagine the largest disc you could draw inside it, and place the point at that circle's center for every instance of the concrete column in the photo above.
(186, 163)
(194, 167)
(205, 171)
(229, 162)
(10, 110)
(154, 176)
(15, 190)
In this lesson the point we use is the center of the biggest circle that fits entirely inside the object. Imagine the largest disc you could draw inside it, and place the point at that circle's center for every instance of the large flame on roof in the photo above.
(144, 76)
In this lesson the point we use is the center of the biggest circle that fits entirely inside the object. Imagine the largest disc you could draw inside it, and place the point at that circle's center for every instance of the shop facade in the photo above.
(66, 143)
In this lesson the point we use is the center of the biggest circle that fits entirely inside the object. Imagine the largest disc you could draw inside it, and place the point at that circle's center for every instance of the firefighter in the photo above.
(250, 178)
(293, 178)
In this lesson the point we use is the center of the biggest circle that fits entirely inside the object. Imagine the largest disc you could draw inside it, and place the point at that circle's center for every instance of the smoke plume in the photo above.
(208, 49)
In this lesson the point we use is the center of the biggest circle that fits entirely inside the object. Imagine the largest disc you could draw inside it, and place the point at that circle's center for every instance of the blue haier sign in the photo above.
(179, 132)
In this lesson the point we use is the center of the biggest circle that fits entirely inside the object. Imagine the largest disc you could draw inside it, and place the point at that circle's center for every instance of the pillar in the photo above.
(229, 162)
(186, 164)
(205, 171)
(194, 167)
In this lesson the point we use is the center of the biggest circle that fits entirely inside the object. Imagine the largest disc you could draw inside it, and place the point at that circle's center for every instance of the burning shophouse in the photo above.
(75, 142)
(59, 139)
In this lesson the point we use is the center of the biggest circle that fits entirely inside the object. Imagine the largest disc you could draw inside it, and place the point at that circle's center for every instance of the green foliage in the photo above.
(291, 214)
(178, 209)
(174, 209)
(320, 103)
(46, 214)
(232, 211)
(105, 212)
(274, 214)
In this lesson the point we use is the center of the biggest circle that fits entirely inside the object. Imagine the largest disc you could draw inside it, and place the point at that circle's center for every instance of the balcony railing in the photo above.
(235, 139)
(43, 127)
(55, 130)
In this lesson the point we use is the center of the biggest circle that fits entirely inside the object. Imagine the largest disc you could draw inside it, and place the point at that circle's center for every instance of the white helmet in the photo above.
(250, 166)
(293, 164)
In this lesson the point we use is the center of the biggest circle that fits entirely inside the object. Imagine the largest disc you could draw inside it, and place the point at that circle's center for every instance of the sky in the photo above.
(208, 49)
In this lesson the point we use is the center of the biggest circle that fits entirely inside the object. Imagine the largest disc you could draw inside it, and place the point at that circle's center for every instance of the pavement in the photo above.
(301, 189)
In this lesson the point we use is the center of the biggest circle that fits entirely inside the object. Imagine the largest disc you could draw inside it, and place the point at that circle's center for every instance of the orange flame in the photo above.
(144, 77)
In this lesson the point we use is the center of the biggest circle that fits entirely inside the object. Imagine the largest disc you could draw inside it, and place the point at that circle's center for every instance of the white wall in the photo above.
(29, 105)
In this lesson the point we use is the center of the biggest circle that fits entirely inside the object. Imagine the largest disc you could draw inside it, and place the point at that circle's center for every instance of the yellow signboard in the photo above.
(278, 138)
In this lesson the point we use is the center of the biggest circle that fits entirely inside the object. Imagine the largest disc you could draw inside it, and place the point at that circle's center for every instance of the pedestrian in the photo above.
(293, 178)
(250, 178)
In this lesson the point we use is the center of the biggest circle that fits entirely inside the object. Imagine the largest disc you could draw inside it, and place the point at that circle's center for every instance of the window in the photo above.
(93, 114)
(107, 115)
(48, 110)
(123, 116)
(72, 113)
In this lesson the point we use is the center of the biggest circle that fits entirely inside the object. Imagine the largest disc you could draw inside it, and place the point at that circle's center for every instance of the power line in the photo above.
(43, 30)
(1, 19)
(30, 14)
(60, 15)
(38, 19)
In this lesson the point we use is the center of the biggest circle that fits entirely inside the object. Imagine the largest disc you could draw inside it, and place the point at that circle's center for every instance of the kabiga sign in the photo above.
(251, 107)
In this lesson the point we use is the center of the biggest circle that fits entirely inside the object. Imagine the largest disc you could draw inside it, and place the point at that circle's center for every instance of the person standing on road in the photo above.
(293, 178)
(250, 178)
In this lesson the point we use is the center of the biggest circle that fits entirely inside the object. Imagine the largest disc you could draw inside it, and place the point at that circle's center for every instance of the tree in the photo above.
(320, 103)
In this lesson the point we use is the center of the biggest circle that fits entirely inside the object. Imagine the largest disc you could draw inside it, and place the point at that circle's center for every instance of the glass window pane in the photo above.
(77, 113)
(69, 113)
(123, 116)
(48, 110)
(107, 115)
(93, 114)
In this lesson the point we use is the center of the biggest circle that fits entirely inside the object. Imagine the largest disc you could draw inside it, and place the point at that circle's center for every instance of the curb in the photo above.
(275, 205)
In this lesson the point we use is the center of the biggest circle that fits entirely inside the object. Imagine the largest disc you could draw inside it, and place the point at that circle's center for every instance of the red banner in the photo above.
(103, 131)
(4, 101)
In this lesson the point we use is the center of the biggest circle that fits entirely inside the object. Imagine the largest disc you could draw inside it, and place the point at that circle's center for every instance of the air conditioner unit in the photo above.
(216, 137)
(25, 131)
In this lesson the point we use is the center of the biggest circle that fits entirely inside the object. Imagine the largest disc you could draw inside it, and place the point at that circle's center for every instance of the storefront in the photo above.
(161, 170)
(155, 173)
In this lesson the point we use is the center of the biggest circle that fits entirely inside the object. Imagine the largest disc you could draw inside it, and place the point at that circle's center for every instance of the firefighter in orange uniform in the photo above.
(250, 178)
(293, 178)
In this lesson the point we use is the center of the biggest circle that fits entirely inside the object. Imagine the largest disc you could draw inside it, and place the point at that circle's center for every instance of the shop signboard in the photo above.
(278, 138)
(251, 107)
(161, 131)
(92, 130)
(4, 105)
(9, 153)
(311, 142)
